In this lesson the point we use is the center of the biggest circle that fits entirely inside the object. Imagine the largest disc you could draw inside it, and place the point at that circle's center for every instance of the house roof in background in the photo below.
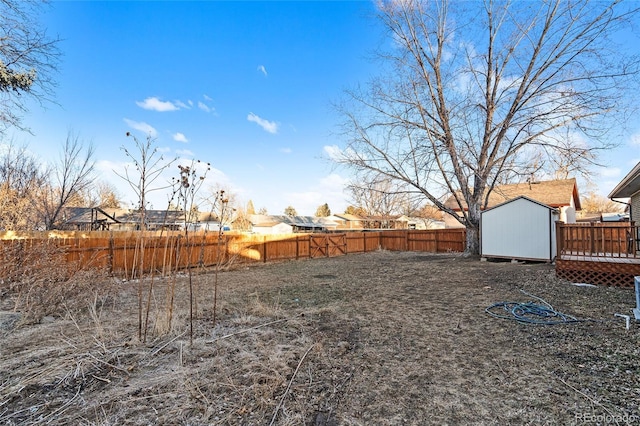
(152, 216)
(553, 193)
(349, 217)
(629, 185)
(86, 215)
(300, 221)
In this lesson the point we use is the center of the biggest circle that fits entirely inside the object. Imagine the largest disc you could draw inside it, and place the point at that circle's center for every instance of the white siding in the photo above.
(635, 208)
(280, 228)
(519, 229)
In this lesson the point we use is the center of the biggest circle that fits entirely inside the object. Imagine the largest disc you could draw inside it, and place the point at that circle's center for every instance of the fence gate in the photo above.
(337, 244)
(328, 245)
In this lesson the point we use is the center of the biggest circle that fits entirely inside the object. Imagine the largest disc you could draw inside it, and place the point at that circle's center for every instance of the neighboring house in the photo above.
(86, 219)
(420, 223)
(283, 224)
(628, 191)
(603, 217)
(558, 194)
(171, 220)
(383, 222)
(207, 222)
(349, 222)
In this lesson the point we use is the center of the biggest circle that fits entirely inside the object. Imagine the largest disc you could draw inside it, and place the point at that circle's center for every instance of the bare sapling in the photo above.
(220, 208)
(149, 165)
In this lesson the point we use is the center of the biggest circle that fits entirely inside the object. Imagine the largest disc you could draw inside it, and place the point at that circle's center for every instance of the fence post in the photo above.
(326, 244)
(110, 253)
(264, 249)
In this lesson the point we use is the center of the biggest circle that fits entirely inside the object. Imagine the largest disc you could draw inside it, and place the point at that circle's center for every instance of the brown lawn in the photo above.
(384, 338)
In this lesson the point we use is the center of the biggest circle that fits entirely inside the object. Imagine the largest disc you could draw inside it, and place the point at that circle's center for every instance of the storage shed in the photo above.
(520, 228)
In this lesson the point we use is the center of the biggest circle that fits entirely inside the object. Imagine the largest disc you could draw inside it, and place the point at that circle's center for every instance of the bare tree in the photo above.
(22, 175)
(356, 211)
(323, 210)
(382, 196)
(596, 203)
(108, 196)
(28, 58)
(149, 165)
(478, 93)
(72, 174)
(290, 211)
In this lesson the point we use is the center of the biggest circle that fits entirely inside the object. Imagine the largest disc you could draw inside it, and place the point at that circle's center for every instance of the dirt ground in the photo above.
(382, 338)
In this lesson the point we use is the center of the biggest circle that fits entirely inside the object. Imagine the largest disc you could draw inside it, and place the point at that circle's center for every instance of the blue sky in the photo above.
(246, 86)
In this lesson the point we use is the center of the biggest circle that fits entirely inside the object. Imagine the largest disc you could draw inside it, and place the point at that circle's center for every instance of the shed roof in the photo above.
(552, 193)
(629, 185)
(520, 197)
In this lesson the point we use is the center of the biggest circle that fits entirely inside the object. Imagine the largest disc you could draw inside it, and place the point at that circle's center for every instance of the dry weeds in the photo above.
(379, 338)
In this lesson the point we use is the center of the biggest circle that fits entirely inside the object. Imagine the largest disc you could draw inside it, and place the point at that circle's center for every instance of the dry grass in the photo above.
(37, 282)
(378, 338)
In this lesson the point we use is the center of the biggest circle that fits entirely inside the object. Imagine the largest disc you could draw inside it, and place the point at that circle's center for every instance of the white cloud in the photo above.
(182, 105)
(333, 151)
(635, 139)
(156, 104)
(268, 126)
(329, 189)
(610, 172)
(207, 98)
(262, 69)
(141, 126)
(180, 137)
(286, 150)
(334, 182)
(190, 102)
(203, 107)
(184, 153)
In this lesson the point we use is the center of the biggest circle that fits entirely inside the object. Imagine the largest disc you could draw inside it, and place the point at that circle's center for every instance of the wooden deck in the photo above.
(599, 257)
(598, 254)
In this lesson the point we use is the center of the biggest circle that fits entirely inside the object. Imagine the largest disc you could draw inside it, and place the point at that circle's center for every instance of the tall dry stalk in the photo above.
(191, 179)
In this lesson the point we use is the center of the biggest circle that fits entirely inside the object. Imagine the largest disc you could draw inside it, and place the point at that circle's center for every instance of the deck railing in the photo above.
(616, 239)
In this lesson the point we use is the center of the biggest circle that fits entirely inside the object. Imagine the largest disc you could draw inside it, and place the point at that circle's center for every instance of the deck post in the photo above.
(636, 311)
(559, 238)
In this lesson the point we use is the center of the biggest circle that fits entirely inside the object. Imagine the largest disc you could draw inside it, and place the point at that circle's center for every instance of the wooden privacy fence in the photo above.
(127, 253)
